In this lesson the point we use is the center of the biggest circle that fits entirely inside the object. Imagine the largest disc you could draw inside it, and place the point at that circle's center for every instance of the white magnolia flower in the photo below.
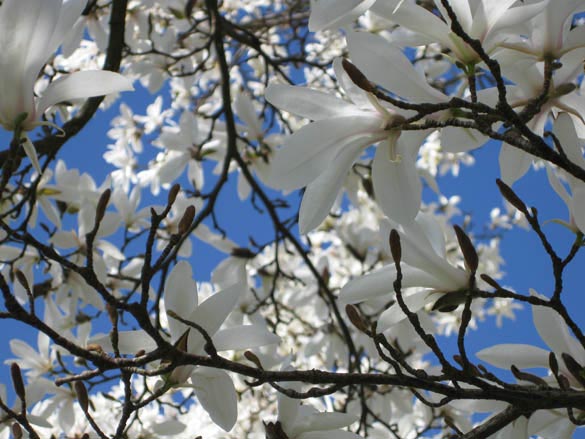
(556, 334)
(489, 21)
(423, 265)
(213, 387)
(305, 422)
(320, 154)
(31, 32)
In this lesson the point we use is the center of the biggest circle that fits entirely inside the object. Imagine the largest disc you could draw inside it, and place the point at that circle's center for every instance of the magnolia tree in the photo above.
(345, 318)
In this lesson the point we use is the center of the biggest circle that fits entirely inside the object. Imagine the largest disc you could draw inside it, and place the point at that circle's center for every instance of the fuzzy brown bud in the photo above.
(187, 220)
(100, 210)
(511, 196)
(173, 192)
(251, 356)
(16, 431)
(17, 381)
(395, 247)
(469, 253)
(356, 318)
(82, 396)
(357, 77)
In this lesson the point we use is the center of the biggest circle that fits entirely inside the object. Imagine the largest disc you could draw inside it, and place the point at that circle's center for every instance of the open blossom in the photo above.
(31, 32)
(556, 334)
(423, 266)
(320, 154)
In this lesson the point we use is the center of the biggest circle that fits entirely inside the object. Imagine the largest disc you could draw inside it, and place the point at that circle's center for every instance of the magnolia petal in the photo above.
(311, 149)
(462, 11)
(129, 342)
(577, 207)
(211, 314)
(308, 103)
(394, 314)
(556, 184)
(386, 65)
(456, 139)
(514, 163)
(180, 296)
(168, 428)
(31, 153)
(326, 421)
(397, 186)
(326, 14)
(564, 129)
(245, 111)
(522, 356)
(550, 423)
(415, 18)
(83, 84)
(554, 332)
(216, 393)
(322, 192)
(380, 282)
(243, 337)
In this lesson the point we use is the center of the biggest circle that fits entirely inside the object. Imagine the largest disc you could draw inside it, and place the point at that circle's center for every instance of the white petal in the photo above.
(311, 149)
(394, 314)
(129, 342)
(386, 65)
(334, 434)
(211, 314)
(326, 14)
(397, 186)
(308, 103)
(514, 163)
(380, 282)
(180, 296)
(322, 192)
(522, 356)
(168, 428)
(564, 129)
(83, 84)
(243, 337)
(217, 394)
(328, 421)
(555, 333)
(578, 207)
(455, 139)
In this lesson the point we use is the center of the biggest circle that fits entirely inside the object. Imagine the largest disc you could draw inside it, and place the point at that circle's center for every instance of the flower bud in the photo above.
(511, 197)
(173, 192)
(187, 220)
(100, 210)
(82, 397)
(16, 431)
(17, 381)
(356, 318)
(395, 247)
(357, 77)
(251, 356)
(469, 253)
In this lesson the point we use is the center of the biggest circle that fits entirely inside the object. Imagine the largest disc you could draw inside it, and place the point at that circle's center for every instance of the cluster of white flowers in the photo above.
(352, 325)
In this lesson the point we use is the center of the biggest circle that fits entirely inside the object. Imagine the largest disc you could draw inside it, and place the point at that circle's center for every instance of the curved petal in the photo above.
(386, 65)
(322, 192)
(332, 434)
(380, 282)
(129, 342)
(180, 297)
(217, 395)
(243, 337)
(326, 14)
(397, 186)
(514, 163)
(309, 103)
(555, 333)
(211, 314)
(310, 150)
(577, 207)
(84, 84)
(456, 139)
(394, 314)
(522, 356)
